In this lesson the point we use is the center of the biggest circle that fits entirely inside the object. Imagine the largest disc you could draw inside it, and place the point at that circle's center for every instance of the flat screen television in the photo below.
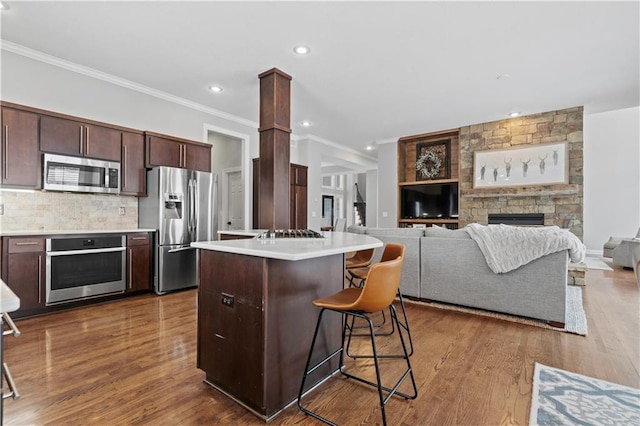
(434, 201)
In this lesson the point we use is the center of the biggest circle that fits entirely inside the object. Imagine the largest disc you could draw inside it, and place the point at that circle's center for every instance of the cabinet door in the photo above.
(197, 157)
(298, 208)
(25, 276)
(101, 142)
(61, 136)
(134, 175)
(20, 158)
(138, 262)
(163, 152)
(24, 271)
(138, 268)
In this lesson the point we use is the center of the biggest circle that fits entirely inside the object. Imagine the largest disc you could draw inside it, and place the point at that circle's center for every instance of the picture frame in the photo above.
(433, 160)
(540, 164)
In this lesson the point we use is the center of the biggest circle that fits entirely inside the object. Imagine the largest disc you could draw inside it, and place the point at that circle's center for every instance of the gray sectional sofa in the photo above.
(447, 266)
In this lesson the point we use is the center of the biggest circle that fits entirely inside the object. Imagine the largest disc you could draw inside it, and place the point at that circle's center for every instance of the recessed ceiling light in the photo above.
(514, 114)
(215, 89)
(368, 148)
(301, 50)
(305, 123)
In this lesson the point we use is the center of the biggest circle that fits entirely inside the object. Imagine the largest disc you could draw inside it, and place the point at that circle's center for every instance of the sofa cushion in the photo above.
(401, 232)
(354, 229)
(438, 232)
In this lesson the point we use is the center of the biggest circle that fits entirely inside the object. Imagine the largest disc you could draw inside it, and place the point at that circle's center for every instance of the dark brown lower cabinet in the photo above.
(138, 262)
(24, 272)
(256, 321)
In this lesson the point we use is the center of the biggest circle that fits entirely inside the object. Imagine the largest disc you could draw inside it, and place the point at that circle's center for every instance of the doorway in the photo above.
(232, 163)
(232, 199)
(327, 210)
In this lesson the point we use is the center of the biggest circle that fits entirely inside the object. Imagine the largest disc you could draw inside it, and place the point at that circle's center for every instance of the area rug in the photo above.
(596, 262)
(563, 398)
(575, 317)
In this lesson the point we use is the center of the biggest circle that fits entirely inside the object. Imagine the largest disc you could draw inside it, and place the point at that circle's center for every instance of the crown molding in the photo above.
(388, 140)
(318, 139)
(109, 78)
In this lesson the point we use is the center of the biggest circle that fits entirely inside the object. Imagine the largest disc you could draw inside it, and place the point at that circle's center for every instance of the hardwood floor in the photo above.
(134, 362)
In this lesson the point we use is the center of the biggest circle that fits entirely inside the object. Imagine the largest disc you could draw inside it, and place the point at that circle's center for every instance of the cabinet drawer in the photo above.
(25, 245)
(141, 239)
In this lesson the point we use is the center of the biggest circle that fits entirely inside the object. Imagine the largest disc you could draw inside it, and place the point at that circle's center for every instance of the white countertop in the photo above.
(9, 302)
(242, 232)
(294, 248)
(74, 232)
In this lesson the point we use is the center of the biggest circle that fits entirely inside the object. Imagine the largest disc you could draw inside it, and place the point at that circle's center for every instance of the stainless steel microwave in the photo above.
(75, 174)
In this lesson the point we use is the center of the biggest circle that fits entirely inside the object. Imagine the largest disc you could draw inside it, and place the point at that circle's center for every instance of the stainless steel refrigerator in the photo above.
(180, 204)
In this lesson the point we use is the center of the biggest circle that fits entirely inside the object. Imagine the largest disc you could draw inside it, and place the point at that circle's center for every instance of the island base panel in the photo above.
(255, 324)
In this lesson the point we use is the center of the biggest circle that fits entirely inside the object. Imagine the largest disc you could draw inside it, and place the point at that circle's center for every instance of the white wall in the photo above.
(611, 176)
(387, 185)
(372, 198)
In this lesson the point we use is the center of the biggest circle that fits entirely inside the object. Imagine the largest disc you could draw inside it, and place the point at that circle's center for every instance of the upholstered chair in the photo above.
(613, 243)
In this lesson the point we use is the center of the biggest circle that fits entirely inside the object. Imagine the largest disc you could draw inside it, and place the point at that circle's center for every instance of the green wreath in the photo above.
(428, 165)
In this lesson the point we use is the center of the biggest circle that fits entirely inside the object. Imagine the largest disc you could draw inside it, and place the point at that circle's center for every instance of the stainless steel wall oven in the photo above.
(84, 266)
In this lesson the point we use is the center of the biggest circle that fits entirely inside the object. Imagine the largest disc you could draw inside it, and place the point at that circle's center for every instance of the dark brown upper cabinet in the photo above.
(20, 163)
(78, 138)
(169, 151)
(134, 174)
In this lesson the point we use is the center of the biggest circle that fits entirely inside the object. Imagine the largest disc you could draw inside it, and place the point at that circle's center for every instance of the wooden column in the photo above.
(275, 129)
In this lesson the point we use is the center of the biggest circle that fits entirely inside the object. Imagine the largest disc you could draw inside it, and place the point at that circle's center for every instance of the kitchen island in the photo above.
(256, 317)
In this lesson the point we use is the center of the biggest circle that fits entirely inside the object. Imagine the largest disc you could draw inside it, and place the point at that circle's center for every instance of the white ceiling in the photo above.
(377, 70)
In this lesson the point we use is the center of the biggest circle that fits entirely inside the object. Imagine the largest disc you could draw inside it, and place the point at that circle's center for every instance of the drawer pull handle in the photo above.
(138, 238)
(6, 151)
(30, 243)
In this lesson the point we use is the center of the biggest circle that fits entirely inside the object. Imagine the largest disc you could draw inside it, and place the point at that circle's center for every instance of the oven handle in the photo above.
(181, 249)
(90, 251)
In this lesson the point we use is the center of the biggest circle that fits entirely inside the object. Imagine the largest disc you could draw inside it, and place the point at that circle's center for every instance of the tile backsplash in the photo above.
(61, 211)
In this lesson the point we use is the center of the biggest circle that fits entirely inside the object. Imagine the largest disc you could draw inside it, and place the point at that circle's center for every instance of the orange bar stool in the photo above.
(391, 251)
(360, 259)
(376, 295)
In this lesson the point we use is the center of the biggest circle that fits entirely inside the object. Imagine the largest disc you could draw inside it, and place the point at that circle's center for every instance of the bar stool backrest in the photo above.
(392, 251)
(381, 285)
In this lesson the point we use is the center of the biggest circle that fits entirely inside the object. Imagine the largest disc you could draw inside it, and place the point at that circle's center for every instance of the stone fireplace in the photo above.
(559, 204)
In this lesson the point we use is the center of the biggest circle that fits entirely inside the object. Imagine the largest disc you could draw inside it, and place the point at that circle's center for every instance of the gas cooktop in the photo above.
(290, 233)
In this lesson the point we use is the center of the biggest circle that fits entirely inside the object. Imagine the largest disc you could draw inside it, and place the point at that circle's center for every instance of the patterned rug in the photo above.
(564, 398)
(575, 317)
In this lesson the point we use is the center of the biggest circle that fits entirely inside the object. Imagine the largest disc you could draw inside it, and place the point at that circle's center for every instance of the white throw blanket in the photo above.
(509, 247)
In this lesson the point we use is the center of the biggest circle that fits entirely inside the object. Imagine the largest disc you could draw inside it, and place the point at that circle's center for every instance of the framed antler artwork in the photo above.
(541, 164)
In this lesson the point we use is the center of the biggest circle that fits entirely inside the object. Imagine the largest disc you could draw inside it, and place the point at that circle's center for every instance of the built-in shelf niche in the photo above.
(407, 177)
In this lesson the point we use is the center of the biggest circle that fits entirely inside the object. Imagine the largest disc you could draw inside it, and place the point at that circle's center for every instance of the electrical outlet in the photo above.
(1, 209)
(121, 211)
(227, 300)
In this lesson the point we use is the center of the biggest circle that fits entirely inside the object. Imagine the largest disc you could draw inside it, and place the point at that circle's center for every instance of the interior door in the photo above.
(235, 204)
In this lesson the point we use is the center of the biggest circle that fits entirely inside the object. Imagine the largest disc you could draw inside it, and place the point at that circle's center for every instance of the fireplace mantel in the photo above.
(523, 191)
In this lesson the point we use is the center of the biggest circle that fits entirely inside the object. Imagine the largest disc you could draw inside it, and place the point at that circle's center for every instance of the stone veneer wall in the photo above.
(60, 211)
(562, 205)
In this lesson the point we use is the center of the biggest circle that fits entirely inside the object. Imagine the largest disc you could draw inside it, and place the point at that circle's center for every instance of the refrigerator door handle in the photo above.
(181, 249)
(190, 206)
(196, 205)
